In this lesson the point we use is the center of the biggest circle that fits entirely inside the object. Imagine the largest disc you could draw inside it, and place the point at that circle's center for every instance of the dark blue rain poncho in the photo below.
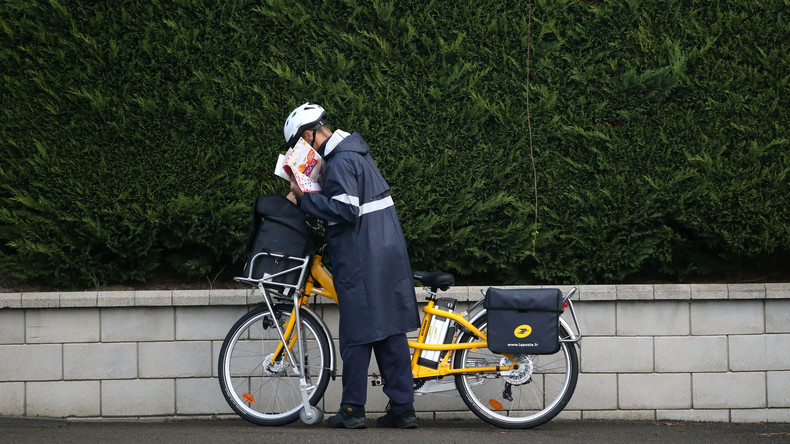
(371, 269)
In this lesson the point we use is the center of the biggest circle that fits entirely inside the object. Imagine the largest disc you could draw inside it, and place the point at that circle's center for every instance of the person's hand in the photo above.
(296, 190)
(290, 196)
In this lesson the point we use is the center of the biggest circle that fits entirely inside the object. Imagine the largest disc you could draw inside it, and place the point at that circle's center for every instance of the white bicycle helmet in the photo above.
(306, 117)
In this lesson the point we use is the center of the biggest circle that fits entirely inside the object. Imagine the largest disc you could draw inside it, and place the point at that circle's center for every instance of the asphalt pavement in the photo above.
(35, 430)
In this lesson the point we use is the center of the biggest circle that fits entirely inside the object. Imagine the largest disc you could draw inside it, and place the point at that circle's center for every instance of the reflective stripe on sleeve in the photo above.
(369, 207)
(376, 205)
(346, 199)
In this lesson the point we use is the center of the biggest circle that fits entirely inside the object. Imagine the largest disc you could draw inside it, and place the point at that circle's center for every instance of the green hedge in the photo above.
(135, 134)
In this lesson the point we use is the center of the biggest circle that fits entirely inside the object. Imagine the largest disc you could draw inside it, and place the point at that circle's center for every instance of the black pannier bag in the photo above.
(523, 320)
(279, 227)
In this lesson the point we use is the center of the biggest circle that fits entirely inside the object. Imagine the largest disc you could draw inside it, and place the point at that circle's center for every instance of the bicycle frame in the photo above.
(430, 362)
(319, 282)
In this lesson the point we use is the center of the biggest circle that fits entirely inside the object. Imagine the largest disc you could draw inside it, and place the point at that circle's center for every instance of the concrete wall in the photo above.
(666, 352)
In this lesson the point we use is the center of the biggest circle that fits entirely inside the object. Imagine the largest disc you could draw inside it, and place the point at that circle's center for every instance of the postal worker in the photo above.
(370, 265)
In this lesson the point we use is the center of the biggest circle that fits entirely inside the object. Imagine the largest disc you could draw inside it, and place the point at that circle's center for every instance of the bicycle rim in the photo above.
(525, 400)
(266, 393)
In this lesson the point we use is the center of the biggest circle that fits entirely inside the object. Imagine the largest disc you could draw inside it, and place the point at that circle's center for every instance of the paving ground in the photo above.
(26, 430)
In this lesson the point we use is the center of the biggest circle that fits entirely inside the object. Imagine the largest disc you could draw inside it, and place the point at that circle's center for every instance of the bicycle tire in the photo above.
(271, 395)
(537, 394)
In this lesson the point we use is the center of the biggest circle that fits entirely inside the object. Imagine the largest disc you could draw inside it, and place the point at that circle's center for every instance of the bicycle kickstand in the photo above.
(310, 414)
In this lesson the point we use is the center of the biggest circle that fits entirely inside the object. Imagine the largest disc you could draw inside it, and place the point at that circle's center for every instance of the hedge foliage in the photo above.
(135, 134)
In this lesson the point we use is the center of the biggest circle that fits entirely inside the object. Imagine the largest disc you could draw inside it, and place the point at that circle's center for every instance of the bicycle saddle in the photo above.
(442, 281)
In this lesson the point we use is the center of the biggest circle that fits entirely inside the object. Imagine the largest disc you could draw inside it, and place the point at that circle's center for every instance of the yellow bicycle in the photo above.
(273, 373)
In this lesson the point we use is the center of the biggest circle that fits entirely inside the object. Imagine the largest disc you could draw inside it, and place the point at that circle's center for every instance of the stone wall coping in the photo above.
(242, 296)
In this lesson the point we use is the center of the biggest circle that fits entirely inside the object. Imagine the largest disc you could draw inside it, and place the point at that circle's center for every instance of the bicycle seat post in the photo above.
(432, 293)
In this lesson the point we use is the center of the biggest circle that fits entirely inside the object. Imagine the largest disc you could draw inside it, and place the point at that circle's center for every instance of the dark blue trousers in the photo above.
(394, 360)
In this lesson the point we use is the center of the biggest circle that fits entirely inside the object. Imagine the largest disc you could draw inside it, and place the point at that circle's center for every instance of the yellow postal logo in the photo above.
(522, 331)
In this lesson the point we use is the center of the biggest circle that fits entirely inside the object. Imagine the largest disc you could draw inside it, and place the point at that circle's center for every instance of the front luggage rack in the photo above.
(269, 282)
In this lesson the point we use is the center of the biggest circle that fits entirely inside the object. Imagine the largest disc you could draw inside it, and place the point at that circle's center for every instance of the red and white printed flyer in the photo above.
(302, 163)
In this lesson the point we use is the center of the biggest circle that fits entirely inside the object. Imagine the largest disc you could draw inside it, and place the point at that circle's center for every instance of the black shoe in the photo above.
(398, 416)
(349, 416)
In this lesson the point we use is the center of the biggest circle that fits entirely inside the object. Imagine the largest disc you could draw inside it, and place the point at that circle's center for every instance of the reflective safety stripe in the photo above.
(369, 207)
(346, 199)
(376, 205)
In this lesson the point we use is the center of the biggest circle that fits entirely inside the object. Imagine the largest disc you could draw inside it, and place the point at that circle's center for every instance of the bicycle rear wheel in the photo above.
(524, 398)
(263, 391)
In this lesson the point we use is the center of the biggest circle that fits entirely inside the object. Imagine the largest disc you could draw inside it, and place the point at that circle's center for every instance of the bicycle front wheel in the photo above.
(258, 379)
(523, 398)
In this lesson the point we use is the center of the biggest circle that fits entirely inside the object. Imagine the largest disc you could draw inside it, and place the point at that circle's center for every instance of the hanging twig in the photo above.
(529, 129)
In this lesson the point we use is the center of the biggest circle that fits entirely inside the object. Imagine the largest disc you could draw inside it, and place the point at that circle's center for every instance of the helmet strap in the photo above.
(315, 129)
